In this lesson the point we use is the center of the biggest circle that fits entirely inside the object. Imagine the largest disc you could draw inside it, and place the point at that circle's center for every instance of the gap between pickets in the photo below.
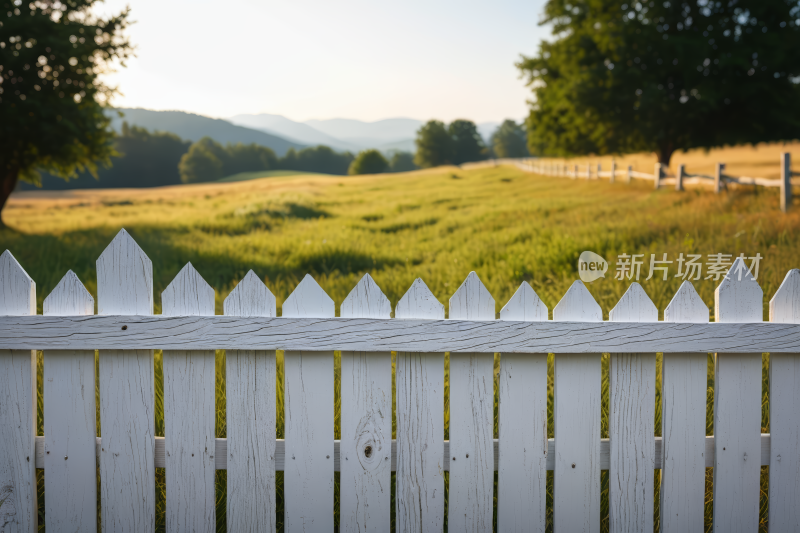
(221, 453)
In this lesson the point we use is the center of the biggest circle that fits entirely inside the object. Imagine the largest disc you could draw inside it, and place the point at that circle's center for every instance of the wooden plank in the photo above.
(632, 394)
(786, 181)
(250, 394)
(221, 446)
(127, 401)
(683, 423)
(419, 498)
(70, 420)
(784, 414)
(522, 426)
(18, 504)
(189, 414)
(576, 498)
(737, 409)
(308, 397)
(365, 334)
(366, 422)
(471, 490)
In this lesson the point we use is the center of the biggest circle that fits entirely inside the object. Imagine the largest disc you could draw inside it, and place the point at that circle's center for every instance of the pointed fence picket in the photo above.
(522, 425)
(366, 421)
(420, 423)
(308, 401)
(70, 419)
(737, 409)
(189, 416)
(127, 396)
(683, 423)
(576, 383)
(250, 395)
(632, 392)
(128, 452)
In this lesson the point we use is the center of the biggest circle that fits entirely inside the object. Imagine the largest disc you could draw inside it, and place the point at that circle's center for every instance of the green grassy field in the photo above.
(438, 225)
(246, 176)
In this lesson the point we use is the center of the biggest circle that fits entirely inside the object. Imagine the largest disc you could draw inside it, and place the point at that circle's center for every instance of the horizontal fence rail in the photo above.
(518, 454)
(388, 335)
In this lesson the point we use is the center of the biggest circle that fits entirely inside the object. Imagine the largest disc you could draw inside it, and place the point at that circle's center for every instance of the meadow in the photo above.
(437, 224)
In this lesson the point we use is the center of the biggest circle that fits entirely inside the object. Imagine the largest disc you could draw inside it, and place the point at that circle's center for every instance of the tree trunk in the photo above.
(664, 154)
(10, 179)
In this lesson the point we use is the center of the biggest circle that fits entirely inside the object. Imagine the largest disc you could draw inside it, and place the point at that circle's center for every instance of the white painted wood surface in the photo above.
(189, 415)
(471, 490)
(366, 334)
(576, 498)
(127, 404)
(632, 398)
(250, 393)
(18, 505)
(366, 422)
(522, 426)
(683, 423)
(308, 397)
(784, 414)
(419, 498)
(70, 420)
(737, 409)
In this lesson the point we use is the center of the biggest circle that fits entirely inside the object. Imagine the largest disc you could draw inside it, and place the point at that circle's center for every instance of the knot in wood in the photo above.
(124, 328)
(368, 451)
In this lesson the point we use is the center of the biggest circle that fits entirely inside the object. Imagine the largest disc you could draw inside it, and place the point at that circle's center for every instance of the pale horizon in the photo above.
(355, 60)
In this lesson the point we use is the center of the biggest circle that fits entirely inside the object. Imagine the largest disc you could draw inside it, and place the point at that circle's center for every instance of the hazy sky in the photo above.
(321, 59)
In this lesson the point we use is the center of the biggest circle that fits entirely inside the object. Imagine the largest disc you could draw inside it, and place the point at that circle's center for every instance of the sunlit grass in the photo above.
(439, 225)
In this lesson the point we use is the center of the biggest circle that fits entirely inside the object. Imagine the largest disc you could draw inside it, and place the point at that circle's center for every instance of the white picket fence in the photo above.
(718, 181)
(126, 332)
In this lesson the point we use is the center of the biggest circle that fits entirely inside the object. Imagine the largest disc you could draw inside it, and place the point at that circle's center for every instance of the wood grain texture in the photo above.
(632, 398)
(250, 392)
(784, 414)
(683, 423)
(70, 419)
(127, 401)
(576, 497)
(737, 409)
(366, 422)
(366, 334)
(522, 426)
(189, 397)
(18, 505)
(471, 489)
(308, 397)
(419, 500)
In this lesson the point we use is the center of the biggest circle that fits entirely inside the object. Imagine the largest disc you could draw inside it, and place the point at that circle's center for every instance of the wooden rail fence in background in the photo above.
(125, 331)
(717, 181)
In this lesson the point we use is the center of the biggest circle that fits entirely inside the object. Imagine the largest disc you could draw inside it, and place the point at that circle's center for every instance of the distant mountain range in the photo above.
(280, 133)
(194, 127)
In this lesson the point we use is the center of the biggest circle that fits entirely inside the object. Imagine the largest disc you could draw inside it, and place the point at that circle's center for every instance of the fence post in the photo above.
(657, 175)
(575, 172)
(786, 181)
(630, 171)
(718, 177)
(588, 171)
(613, 170)
(679, 178)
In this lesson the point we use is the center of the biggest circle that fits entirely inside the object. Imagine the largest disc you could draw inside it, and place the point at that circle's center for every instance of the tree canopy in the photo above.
(51, 54)
(457, 143)
(664, 76)
(508, 140)
(208, 160)
(368, 162)
(467, 142)
(402, 162)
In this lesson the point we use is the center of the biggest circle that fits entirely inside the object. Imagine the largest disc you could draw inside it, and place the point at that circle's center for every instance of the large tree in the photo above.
(434, 145)
(368, 162)
(52, 99)
(664, 76)
(468, 145)
(508, 140)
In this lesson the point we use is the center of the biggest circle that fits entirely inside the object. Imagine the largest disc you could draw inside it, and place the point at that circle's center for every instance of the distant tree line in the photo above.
(459, 142)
